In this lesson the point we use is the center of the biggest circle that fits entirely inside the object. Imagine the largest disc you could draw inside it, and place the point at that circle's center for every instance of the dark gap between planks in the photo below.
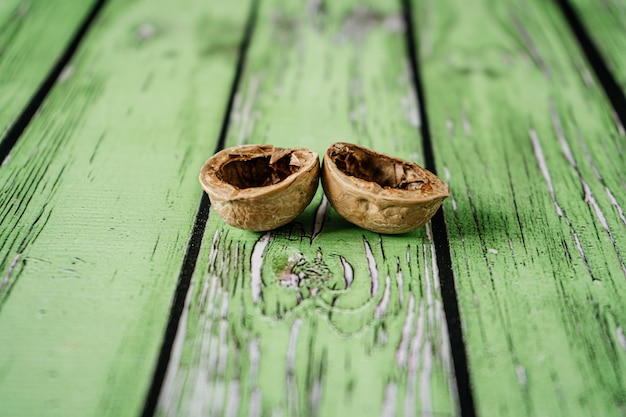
(611, 87)
(195, 240)
(440, 236)
(15, 130)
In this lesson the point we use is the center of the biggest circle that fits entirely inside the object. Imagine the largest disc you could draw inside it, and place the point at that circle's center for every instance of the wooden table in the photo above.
(122, 293)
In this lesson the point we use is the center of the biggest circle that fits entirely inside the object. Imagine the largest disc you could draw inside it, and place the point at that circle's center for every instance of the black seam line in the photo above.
(14, 132)
(611, 87)
(440, 237)
(195, 240)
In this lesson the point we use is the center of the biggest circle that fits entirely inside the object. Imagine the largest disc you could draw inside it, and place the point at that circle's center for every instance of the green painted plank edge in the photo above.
(605, 22)
(534, 158)
(318, 317)
(97, 203)
(33, 36)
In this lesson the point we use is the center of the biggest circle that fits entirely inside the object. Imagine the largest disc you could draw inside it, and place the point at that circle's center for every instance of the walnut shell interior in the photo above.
(258, 170)
(379, 192)
(260, 187)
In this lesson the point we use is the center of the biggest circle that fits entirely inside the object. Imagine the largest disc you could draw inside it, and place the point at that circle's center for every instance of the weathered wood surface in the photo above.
(33, 35)
(318, 317)
(535, 162)
(605, 22)
(99, 196)
(97, 203)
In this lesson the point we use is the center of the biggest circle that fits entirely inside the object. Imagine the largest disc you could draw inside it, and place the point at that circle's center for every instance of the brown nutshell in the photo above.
(378, 192)
(260, 187)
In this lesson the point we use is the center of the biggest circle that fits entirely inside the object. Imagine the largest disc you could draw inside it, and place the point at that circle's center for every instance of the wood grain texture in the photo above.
(605, 21)
(33, 35)
(535, 163)
(97, 203)
(318, 317)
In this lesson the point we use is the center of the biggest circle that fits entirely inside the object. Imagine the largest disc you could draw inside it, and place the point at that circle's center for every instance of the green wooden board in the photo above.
(33, 35)
(536, 221)
(318, 317)
(605, 22)
(97, 203)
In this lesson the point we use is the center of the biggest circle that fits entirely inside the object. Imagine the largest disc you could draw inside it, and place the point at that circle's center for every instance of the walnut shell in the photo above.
(378, 192)
(260, 187)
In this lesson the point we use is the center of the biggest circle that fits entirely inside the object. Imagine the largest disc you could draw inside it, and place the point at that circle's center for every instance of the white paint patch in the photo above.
(236, 254)
(558, 129)
(320, 215)
(579, 248)
(543, 167)
(214, 252)
(66, 73)
(621, 339)
(600, 215)
(394, 23)
(254, 356)
(400, 283)
(146, 31)
(223, 348)
(467, 126)
(348, 272)
(234, 395)
(520, 371)
(407, 328)
(313, 7)
(427, 368)
(381, 308)
(371, 263)
(450, 127)
(618, 123)
(417, 340)
(616, 205)
(589, 199)
(203, 296)
(255, 403)
(256, 266)
(316, 396)
(291, 348)
(389, 402)
(433, 263)
(7, 276)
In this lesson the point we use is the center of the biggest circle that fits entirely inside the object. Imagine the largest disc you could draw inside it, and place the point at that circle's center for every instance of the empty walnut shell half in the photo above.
(378, 192)
(260, 187)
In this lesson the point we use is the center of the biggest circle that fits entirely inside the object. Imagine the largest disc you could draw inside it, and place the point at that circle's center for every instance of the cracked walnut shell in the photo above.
(260, 187)
(378, 192)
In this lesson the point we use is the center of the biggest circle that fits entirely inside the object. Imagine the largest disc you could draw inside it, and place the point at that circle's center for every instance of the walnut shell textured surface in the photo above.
(378, 192)
(260, 187)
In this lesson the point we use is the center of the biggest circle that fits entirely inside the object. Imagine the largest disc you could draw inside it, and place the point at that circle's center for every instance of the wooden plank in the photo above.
(318, 317)
(33, 35)
(605, 22)
(97, 204)
(534, 160)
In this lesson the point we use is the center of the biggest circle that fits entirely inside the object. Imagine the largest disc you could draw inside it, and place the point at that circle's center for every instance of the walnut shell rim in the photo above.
(378, 192)
(268, 203)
